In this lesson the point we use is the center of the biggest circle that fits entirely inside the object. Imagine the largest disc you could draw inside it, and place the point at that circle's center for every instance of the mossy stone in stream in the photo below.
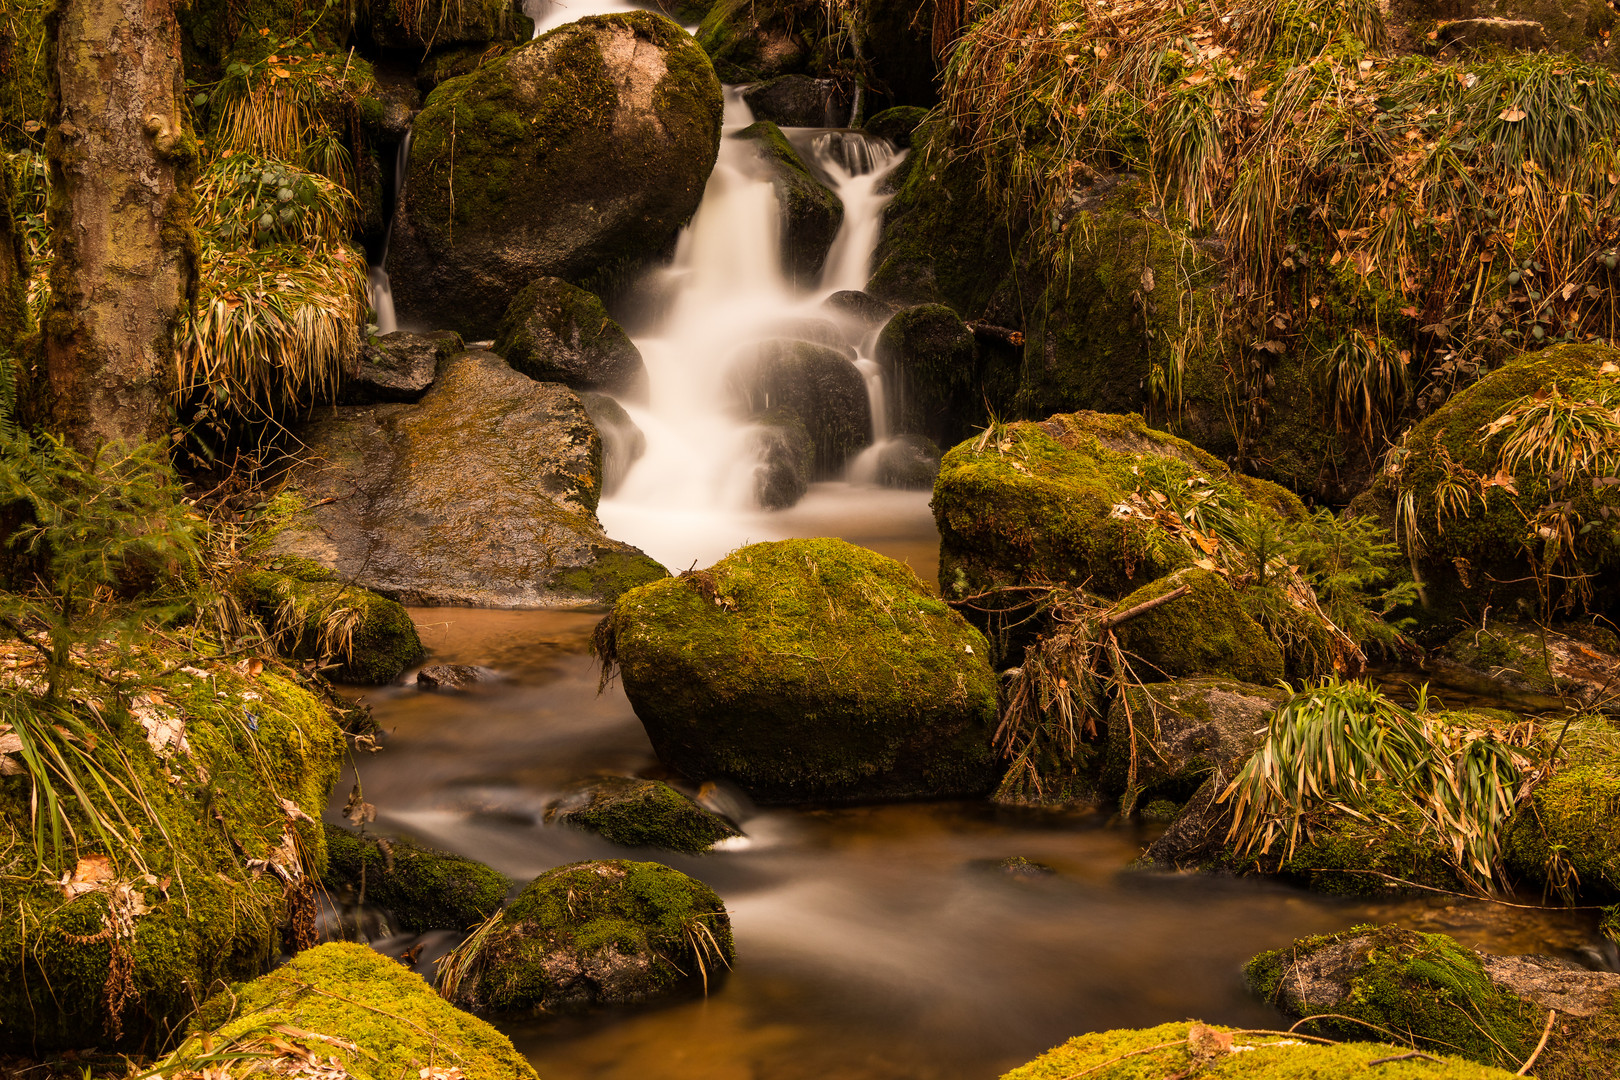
(576, 155)
(897, 124)
(1570, 823)
(604, 932)
(557, 332)
(1185, 732)
(1189, 1048)
(236, 767)
(424, 888)
(347, 1002)
(315, 611)
(809, 670)
(810, 213)
(1205, 631)
(927, 356)
(641, 813)
(754, 40)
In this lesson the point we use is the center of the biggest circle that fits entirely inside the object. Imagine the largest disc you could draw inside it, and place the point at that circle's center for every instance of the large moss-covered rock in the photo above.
(578, 154)
(1188, 1049)
(754, 40)
(483, 494)
(1471, 538)
(1570, 822)
(1205, 631)
(1186, 732)
(557, 332)
(641, 813)
(423, 888)
(101, 943)
(605, 932)
(1580, 29)
(898, 124)
(366, 638)
(928, 358)
(810, 213)
(1035, 502)
(345, 1002)
(809, 669)
(816, 384)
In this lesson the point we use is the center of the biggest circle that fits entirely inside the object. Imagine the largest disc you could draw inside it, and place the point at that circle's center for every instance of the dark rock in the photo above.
(397, 367)
(1186, 731)
(400, 100)
(751, 41)
(908, 462)
(578, 154)
(798, 101)
(557, 332)
(816, 331)
(863, 309)
(811, 213)
(641, 813)
(484, 494)
(604, 932)
(927, 353)
(1197, 834)
(786, 459)
(896, 124)
(897, 36)
(423, 888)
(1016, 866)
(398, 25)
(623, 442)
(812, 382)
(809, 670)
(444, 65)
(452, 678)
(1534, 660)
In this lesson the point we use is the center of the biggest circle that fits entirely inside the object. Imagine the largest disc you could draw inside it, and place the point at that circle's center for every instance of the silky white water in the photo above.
(380, 287)
(691, 496)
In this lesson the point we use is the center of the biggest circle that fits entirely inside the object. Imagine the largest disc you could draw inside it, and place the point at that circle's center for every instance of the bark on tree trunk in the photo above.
(120, 215)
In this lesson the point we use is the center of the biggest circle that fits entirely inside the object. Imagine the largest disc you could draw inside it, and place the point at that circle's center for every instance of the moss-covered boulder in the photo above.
(898, 124)
(396, 367)
(754, 40)
(557, 332)
(798, 101)
(419, 24)
(817, 384)
(604, 932)
(1577, 661)
(1205, 631)
(1480, 518)
(927, 355)
(810, 213)
(641, 813)
(1570, 823)
(1190, 1048)
(1185, 732)
(483, 494)
(576, 155)
(809, 670)
(1437, 994)
(1036, 502)
(423, 888)
(114, 945)
(349, 1004)
(359, 636)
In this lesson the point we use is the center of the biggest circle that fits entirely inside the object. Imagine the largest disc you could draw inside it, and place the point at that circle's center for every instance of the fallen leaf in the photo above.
(1147, 279)
(91, 873)
(1512, 115)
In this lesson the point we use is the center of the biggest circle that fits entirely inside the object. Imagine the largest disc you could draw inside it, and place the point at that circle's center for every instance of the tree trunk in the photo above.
(120, 215)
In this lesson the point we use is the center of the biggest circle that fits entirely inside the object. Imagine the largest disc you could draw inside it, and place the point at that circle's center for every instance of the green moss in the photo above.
(809, 669)
(425, 889)
(1155, 1053)
(643, 813)
(1204, 632)
(753, 40)
(811, 214)
(1572, 821)
(310, 604)
(1424, 987)
(612, 575)
(251, 742)
(349, 994)
(1374, 855)
(549, 313)
(601, 913)
(897, 124)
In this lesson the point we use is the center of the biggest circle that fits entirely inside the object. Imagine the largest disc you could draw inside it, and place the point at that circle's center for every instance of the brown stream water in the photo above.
(873, 942)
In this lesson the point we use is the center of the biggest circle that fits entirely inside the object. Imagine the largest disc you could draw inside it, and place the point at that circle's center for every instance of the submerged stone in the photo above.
(908, 462)
(556, 332)
(484, 494)
(576, 155)
(641, 813)
(453, 678)
(809, 670)
(604, 932)
(786, 459)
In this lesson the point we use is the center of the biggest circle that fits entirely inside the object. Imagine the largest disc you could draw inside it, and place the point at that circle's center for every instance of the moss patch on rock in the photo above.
(557, 332)
(604, 932)
(1570, 822)
(810, 213)
(379, 1020)
(809, 669)
(424, 888)
(1205, 631)
(641, 813)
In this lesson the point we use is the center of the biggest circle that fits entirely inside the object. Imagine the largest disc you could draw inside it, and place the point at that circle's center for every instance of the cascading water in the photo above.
(692, 495)
(379, 286)
(550, 14)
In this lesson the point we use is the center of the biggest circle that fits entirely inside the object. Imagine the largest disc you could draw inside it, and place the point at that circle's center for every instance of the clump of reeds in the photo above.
(1329, 749)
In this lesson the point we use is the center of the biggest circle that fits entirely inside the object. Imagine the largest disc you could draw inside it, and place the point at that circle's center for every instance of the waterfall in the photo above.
(379, 286)
(550, 14)
(693, 491)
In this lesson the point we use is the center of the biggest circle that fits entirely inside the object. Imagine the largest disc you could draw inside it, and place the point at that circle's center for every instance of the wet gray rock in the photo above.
(576, 155)
(817, 385)
(453, 678)
(811, 213)
(623, 442)
(640, 813)
(816, 331)
(798, 101)
(1185, 731)
(396, 367)
(557, 332)
(861, 308)
(484, 494)
(1553, 983)
(908, 462)
(786, 458)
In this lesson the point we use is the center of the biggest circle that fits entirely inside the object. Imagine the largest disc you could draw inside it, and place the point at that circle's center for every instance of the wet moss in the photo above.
(1422, 987)
(810, 213)
(897, 124)
(348, 994)
(1204, 632)
(314, 608)
(1386, 852)
(753, 40)
(809, 669)
(1154, 1053)
(212, 914)
(613, 574)
(634, 926)
(424, 888)
(642, 813)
